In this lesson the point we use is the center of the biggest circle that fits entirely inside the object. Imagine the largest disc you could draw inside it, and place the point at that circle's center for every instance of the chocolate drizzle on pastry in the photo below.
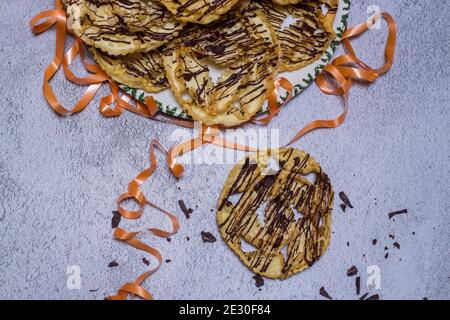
(310, 34)
(199, 11)
(297, 213)
(242, 46)
(120, 27)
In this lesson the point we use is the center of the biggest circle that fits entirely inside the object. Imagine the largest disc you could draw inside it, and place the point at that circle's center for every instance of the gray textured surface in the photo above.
(59, 178)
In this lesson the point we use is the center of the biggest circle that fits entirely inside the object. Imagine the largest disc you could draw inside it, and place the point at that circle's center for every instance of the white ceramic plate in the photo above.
(300, 78)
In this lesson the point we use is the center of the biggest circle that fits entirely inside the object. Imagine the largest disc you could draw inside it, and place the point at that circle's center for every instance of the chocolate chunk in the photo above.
(145, 261)
(115, 221)
(374, 297)
(386, 255)
(187, 211)
(168, 261)
(353, 271)
(325, 294)
(396, 213)
(358, 285)
(259, 281)
(348, 244)
(113, 264)
(187, 238)
(208, 237)
(364, 296)
(168, 239)
(386, 248)
(374, 241)
(343, 207)
(397, 245)
(345, 199)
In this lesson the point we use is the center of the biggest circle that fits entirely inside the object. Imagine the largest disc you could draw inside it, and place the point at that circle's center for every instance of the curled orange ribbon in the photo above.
(135, 193)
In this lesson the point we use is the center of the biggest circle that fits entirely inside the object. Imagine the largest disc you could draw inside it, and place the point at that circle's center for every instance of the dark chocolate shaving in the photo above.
(374, 241)
(353, 271)
(115, 221)
(113, 264)
(343, 207)
(358, 285)
(208, 237)
(145, 261)
(396, 213)
(187, 211)
(397, 245)
(259, 281)
(364, 296)
(345, 199)
(325, 294)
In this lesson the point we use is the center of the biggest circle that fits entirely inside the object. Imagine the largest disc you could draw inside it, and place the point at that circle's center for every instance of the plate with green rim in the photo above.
(300, 79)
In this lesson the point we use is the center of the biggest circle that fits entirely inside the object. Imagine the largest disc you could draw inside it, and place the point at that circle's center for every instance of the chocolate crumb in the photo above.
(374, 297)
(413, 233)
(397, 245)
(345, 199)
(364, 296)
(396, 213)
(353, 271)
(208, 237)
(325, 294)
(115, 221)
(113, 264)
(392, 236)
(259, 281)
(358, 285)
(343, 207)
(374, 241)
(187, 238)
(187, 211)
(386, 255)
(425, 298)
(93, 290)
(348, 244)
(145, 261)
(168, 239)
(168, 261)
(386, 248)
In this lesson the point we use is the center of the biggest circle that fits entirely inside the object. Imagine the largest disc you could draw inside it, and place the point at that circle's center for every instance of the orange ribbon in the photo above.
(344, 70)
(135, 193)
(95, 80)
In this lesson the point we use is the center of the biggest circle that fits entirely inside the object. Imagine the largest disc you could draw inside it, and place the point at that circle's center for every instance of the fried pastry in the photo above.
(273, 215)
(199, 11)
(242, 46)
(308, 36)
(138, 70)
(120, 27)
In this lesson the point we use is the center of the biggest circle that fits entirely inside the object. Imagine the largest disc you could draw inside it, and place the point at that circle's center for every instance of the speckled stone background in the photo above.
(59, 178)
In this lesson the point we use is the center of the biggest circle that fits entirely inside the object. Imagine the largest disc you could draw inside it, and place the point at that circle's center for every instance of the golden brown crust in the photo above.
(242, 45)
(297, 212)
(138, 70)
(120, 27)
(309, 35)
(199, 11)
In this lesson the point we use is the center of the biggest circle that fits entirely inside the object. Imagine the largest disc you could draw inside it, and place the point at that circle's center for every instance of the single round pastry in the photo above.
(138, 70)
(273, 215)
(309, 33)
(120, 27)
(241, 49)
(199, 11)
